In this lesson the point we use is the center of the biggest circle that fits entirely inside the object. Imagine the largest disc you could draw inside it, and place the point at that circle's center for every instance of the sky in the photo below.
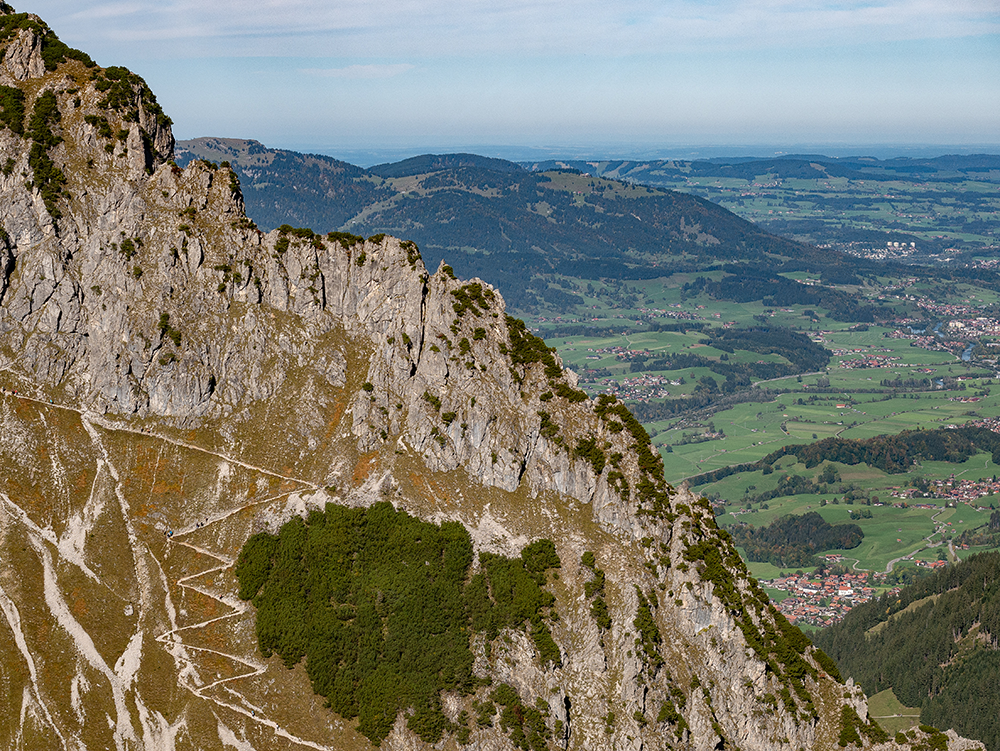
(624, 78)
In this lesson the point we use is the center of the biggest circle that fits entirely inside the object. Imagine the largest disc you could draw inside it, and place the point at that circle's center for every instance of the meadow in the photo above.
(890, 712)
(833, 209)
(841, 400)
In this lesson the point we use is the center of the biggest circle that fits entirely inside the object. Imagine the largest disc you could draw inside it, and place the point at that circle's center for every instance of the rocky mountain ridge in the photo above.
(175, 380)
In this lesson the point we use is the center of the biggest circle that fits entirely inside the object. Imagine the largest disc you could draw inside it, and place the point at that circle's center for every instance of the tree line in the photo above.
(747, 283)
(793, 541)
(803, 354)
(893, 454)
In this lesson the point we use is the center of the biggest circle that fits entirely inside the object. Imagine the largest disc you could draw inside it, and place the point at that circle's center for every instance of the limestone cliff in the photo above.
(175, 380)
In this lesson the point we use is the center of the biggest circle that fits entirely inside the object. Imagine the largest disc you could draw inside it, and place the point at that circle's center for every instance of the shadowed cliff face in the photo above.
(175, 380)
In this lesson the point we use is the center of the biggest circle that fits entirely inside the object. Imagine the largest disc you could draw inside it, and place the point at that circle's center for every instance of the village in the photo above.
(990, 423)
(962, 491)
(933, 343)
(871, 361)
(974, 327)
(891, 252)
(946, 310)
(622, 354)
(677, 315)
(640, 388)
(825, 599)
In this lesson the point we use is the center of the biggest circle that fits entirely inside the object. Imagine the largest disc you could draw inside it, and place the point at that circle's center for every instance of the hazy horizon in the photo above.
(367, 156)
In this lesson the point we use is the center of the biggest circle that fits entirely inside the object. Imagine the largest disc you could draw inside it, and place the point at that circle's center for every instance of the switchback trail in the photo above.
(237, 608)
(173, 639)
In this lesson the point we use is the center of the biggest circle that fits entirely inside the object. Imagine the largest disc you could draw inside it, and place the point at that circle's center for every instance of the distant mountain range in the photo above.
(941, 207)
(950, 168)
(502, 221)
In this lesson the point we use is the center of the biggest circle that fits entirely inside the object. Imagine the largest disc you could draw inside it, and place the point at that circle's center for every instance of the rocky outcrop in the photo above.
(23, 56)
(175, 379)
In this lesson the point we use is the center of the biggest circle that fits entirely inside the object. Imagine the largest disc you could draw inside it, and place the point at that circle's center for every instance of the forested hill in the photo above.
(419, 165)
(509, 227)
(793, 541)
(493, 219)
(285, 187)
(934, 644)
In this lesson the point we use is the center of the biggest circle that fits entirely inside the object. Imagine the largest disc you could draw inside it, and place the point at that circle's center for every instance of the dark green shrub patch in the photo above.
(381, 606)
(102, 125)
(525, 725)
(549, 429)
(48, 178)
(127, 249)
(527, 348)
(649, 633)
(125, 92)
(346, 239)
(669, 714)
(654, 493)
(412, 252)
(594, 589)
(851, 724)
(587, 448)
(473, 298)
(571, 394)
(508, 592)
(12, 109)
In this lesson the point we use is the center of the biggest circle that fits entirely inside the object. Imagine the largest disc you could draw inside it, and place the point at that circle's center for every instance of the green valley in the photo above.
(880, 379)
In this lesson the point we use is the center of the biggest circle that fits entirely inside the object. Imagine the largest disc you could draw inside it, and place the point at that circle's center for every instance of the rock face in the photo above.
(175, 380)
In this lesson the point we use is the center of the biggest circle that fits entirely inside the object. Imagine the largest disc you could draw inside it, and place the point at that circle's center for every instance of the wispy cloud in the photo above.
(557, 67)
(445, 27)
(104, 11)
(360, 71)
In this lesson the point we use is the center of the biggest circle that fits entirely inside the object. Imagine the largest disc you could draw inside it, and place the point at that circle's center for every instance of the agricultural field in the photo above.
(875, 383)
(818, 210)
(892, 533)
(900, 209)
